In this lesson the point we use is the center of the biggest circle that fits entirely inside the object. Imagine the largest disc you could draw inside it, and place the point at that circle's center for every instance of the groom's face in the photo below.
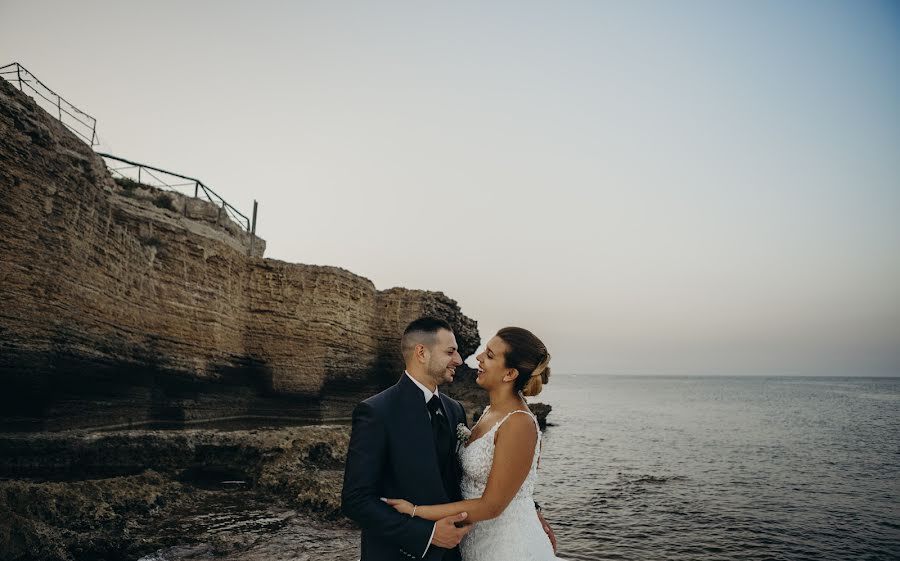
(443, 358)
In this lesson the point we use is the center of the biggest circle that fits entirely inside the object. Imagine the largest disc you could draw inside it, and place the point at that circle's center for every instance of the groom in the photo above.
(403, 444)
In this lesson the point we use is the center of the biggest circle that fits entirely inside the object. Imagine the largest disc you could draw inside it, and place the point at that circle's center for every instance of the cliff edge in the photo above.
(122, 309)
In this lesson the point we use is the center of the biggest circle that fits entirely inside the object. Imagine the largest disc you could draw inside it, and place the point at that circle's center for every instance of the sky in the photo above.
(707, 188)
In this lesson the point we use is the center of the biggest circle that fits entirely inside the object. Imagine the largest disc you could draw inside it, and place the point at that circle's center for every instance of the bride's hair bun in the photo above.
(539, 377)
(528, 355)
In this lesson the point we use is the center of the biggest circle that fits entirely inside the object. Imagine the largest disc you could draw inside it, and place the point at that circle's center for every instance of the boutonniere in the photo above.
(463, 433)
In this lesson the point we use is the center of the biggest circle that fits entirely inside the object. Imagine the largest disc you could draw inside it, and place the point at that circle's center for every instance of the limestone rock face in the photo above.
(120, 308)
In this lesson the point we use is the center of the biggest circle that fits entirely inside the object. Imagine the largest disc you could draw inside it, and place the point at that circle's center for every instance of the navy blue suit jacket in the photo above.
(392, 454)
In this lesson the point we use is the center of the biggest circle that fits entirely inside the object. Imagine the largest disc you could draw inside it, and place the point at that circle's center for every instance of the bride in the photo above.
(499, 457)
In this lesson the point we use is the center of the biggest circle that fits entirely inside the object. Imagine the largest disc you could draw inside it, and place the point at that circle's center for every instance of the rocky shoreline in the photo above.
(120, 495)
(177, 495)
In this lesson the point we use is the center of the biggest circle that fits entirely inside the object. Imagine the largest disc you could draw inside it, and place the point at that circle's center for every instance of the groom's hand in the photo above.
(446, 534)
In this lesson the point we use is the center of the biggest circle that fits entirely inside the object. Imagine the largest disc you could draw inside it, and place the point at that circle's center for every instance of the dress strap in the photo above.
(529, 413)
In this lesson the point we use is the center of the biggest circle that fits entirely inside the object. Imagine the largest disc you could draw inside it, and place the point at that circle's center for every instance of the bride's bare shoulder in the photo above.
(517, 425)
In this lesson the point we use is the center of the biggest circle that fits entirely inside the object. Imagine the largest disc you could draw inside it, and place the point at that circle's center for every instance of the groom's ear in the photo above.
(419, 353)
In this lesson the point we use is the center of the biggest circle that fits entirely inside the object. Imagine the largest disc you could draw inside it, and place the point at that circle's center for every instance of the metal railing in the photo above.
(85, 127)
(72, 117)
(162, 179)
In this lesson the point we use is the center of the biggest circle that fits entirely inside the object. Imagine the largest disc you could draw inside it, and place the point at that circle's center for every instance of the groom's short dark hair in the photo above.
(422, 331)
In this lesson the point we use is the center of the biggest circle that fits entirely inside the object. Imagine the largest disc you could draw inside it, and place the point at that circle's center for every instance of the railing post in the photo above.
(19, 75)
(59, 107)
(139, 174)
(196, 188)
(253, 228)
(221, 212)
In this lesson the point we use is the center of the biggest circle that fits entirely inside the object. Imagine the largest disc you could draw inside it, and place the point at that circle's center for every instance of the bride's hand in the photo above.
(400, 505)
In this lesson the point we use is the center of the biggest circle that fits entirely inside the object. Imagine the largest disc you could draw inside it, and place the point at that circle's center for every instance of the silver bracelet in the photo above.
(413, 515)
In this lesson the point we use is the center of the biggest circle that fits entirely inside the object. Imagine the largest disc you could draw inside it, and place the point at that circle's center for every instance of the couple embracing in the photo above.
(421, 485)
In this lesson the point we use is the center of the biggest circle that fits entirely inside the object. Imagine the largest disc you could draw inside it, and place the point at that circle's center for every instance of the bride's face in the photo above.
(492, 364)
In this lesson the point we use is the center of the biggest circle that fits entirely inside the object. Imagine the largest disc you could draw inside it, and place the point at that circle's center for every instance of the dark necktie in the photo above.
(440, 429)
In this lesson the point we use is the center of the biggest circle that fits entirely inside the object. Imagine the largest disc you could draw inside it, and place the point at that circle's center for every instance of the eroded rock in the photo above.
(125, 306)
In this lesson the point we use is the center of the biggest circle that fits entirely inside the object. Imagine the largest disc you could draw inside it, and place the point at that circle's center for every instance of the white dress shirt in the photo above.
(427, 394)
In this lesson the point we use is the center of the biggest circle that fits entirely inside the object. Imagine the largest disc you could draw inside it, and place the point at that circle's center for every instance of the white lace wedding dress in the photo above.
(515, 535)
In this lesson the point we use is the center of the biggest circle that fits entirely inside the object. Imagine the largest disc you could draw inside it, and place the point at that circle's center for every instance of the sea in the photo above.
(722, 468)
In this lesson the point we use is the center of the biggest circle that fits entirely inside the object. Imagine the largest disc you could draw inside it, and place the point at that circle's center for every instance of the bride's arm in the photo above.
(513, 452)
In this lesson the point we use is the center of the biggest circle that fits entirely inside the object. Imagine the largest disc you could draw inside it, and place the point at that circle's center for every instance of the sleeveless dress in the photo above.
(515, 535)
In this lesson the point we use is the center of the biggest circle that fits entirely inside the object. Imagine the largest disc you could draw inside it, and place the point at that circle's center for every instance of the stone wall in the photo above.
(120, 308)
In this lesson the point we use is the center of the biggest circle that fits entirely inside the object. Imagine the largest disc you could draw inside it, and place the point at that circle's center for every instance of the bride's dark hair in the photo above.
(529, 356)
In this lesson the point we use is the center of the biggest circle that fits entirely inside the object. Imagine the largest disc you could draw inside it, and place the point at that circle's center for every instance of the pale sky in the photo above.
(651, 187)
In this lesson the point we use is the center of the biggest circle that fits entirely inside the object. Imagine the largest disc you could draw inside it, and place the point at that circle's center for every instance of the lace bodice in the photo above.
(515, 535)
(477, 458)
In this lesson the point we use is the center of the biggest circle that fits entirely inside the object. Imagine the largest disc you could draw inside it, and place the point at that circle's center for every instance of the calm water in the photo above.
(704, 468)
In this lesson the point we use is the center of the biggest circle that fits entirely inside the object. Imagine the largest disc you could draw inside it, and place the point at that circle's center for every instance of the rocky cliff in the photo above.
(122, 305)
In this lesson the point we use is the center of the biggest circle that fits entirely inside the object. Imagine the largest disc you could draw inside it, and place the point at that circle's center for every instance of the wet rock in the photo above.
(238, 529)
(541, 410)
(71, 520)
(122, 494)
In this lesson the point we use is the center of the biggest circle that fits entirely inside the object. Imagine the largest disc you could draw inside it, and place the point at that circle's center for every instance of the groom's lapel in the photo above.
(421, 441)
